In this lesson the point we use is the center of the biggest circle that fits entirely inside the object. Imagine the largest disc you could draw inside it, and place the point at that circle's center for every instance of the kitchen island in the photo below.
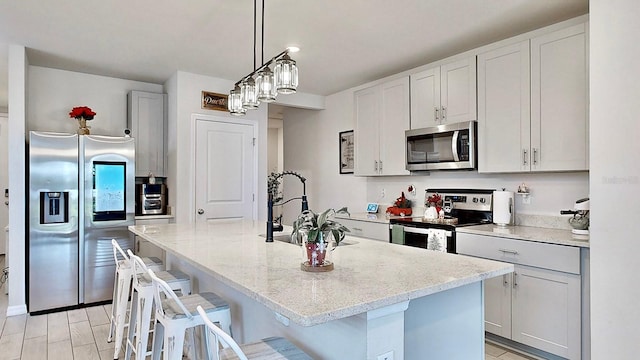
(381, 299)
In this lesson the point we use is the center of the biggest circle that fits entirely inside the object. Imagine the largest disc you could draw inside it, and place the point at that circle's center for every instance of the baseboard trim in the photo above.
(17, 310)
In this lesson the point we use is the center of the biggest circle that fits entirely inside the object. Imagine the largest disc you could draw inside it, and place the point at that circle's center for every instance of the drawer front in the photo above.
(546, 256)
(366, 229)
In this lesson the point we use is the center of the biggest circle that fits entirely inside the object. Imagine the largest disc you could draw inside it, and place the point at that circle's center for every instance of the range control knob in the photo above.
(483, 200)
(475, 199)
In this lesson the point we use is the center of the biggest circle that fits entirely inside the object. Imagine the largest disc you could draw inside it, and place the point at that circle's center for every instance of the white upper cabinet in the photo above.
(533, 104)
(444, 94)
(559, 100)
(147, 121)
(381, 118)
(425, 98)
(504, 109)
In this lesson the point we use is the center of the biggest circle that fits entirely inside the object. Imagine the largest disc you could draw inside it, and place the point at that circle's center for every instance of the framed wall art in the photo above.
(346, 152)
(214, 101)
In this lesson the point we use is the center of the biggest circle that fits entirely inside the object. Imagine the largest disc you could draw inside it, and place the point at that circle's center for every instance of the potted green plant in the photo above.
(315, 231)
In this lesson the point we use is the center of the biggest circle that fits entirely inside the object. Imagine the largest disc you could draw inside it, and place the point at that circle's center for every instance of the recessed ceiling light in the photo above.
(293, 49)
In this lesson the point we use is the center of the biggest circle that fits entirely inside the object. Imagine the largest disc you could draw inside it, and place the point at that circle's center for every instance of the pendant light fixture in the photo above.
(249, 91)
(234, 103)
(286, 75)
(249, 94)
(265, 82)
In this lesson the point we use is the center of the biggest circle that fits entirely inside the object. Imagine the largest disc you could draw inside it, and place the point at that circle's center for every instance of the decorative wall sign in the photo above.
(346, 152)
(214, 101)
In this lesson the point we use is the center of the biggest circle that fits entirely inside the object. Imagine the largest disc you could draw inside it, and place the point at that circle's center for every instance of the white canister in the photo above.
(503, 208)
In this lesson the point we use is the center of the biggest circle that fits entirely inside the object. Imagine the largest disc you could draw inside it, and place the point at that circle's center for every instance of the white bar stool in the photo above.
(273, 348)
(175, 315)
(121, 291)
(142, 303)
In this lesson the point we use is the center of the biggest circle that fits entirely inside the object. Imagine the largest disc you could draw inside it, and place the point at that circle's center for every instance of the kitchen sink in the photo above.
(282, 237)
(286, 238)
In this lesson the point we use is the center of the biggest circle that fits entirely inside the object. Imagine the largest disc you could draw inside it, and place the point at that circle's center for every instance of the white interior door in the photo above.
(4, 179)
(225, 166)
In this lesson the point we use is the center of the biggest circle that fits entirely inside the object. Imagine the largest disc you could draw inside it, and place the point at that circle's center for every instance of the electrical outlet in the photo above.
(382, 193)
(386, 356)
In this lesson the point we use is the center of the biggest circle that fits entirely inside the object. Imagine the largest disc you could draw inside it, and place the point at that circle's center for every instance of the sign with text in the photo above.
(214, 101)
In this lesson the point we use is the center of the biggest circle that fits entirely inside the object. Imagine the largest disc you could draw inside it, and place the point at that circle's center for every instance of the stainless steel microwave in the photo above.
(443, 147)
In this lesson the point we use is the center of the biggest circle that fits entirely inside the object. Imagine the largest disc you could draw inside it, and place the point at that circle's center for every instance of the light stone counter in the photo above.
(154, 217)
(398, 289)
(529, 233)
(377, 218)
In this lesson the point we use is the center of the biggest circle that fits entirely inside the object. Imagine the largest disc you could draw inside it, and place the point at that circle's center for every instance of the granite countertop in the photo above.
(150, 217)
(368, 274)
(378, 217)
(529, 233)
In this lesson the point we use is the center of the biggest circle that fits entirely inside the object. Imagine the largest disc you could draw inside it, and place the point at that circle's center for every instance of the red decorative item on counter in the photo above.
(402, 207)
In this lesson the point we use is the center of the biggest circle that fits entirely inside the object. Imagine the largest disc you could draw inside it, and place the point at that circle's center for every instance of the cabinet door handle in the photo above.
(200, 211)
(444, 114)
(524, 156)
(435, 110)
(356, 229)
(505, 283)
(375, 166)
(380, 165)
(515, 282)
(535, 156)
(512, 252)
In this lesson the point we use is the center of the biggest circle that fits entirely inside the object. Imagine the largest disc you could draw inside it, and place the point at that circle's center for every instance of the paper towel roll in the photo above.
(503, 208)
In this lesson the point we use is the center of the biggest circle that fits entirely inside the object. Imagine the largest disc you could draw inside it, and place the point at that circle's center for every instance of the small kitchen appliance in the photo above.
(151, 199)
(462, 207)
(444, 147)
(580, 220)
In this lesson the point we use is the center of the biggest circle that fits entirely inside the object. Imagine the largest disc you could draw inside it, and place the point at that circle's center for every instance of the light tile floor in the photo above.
(81, 334)
(494, 352)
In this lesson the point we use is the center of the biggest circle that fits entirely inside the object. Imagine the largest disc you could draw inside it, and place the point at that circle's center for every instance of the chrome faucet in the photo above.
(271, 226)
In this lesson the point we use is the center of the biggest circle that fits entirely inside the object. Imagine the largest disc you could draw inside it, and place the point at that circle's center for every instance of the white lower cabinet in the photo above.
(366, 229)
(539, 304)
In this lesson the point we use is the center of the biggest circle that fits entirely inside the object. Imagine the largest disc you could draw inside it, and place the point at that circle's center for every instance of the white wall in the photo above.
(18, 76)
(615, 178)
(53, 93)
(4, 177)
(273, 144)
(311, 146)
(185, 96)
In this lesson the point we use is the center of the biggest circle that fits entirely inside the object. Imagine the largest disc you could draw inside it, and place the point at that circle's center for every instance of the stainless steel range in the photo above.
(462, 207)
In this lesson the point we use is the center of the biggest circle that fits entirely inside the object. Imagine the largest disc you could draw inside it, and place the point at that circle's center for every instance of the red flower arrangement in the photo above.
(435, 200)
(82, 112)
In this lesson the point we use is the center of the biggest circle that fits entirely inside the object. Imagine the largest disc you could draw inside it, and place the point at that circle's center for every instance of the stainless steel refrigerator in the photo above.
(81, 195)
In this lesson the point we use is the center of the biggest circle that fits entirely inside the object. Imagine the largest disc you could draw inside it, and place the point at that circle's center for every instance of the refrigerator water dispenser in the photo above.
(54, 207)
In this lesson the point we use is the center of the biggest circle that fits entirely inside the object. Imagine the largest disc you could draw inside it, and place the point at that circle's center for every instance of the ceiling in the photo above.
(343, 43)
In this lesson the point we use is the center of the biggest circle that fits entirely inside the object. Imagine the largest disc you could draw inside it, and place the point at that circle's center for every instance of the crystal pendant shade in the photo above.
(249, 94)
(286, 74)
(234, 103)
(265, 83)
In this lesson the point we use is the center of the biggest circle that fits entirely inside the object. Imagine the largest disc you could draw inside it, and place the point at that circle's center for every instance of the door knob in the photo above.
(200, 211)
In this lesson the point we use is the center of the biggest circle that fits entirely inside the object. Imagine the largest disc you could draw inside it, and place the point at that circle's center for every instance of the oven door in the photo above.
(426, 238)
